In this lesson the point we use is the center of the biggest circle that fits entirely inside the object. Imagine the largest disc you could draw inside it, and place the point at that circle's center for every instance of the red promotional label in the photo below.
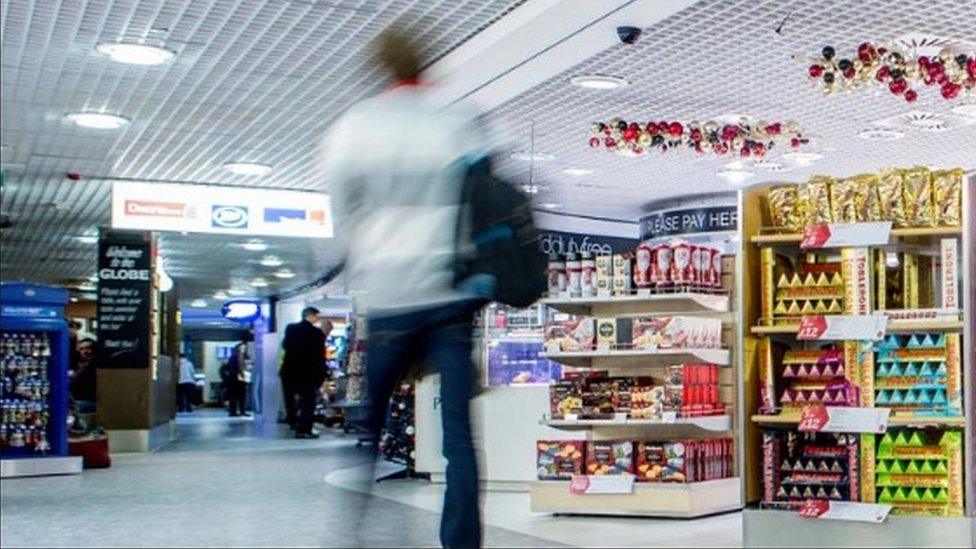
(811, 327)
(813, 418)
(579, 484)
(814, 508)
(815, 236)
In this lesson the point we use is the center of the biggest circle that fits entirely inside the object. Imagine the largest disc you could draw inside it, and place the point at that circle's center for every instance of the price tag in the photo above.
(602, 484)
(841, 419)
(842, 327)
(644, 292)
(845, 235)
(845, 510)
(571, 417)
(620, 416)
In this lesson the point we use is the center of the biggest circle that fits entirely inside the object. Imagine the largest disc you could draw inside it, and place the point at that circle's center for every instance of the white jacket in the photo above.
(394, 166)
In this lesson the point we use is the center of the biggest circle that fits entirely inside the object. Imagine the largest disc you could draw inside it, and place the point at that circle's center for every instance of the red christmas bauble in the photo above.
(898, 86)
(676, 129)
(610, 142)
(652, 128)
(759, 149)
(696, 135)
(816, 71)
(950, 90)
(774, 129)
(744, 151)
(630, 134)
(634, 126)
(849, 73)
(594, 142)
(882, 74)
(911, 96)
(971, 66)
(795, 142)
(923, 62)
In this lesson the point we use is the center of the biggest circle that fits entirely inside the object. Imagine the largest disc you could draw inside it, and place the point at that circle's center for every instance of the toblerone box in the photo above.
(953, 373)
(880, 279)
(767, 261)
(952, 446)
(856, 271)
(859, 369)
(854, 471)
(909, 273)
(948, 254)
(868, 463)
(767, 386)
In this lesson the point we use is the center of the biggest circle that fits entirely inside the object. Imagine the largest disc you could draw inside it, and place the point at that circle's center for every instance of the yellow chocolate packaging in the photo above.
(866, 202)
(784, 207)
(890, 200)
(947, 196)
(843, 203)
(917, 194)
(815, 200)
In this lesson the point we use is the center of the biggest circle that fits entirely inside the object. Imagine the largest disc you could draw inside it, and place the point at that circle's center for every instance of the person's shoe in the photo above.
(306, 435)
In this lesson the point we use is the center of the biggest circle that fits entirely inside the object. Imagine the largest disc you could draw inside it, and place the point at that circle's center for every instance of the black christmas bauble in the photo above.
(844, 64)
(962, 60)
(828, 52)
(828, 77)
(622, 125)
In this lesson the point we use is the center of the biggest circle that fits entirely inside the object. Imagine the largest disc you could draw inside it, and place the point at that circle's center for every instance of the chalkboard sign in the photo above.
(690, 221)
(125, 286)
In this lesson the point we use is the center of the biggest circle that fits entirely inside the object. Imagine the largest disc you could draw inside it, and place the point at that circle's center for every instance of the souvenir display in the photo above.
(25, 407)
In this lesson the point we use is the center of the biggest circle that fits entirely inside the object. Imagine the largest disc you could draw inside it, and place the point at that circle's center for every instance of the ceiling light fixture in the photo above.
(735, 176)
(284, 273)
(259, 282)
(550, 205)
(237, 292)
(271, 261)
(86, 287)
(577, 172)
(87, 239)
(598, 82)
(527, 156)
(93, 277)
(802, 158)
(220, 295)
(135, 54)
(247, 168)
(198, 303)
(530, 189)
(255, 246)
(881, 134)
(97, 120)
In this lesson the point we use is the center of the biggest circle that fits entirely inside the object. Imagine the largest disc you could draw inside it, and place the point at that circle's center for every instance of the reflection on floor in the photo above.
(240, 482)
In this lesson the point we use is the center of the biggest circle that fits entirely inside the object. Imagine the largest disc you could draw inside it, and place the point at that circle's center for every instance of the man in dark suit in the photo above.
(303, 367)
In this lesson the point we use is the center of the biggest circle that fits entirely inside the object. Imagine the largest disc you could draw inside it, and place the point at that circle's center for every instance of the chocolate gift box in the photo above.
(676, 332)
(800, 466)
(610, 457)
(559, 459)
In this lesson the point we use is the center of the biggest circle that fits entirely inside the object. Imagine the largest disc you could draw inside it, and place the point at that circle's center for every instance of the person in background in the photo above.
(303, 368)
(83, 381)
(239, 380)
(73, 328)
(187, 386)
(397, 195)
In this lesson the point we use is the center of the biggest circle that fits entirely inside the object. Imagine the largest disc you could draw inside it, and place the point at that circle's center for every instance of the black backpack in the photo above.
(505, 240)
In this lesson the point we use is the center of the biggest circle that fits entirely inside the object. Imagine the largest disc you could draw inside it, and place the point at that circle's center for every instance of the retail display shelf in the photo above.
(896, 421)
(679, 302)
(708, 423)
(795, 238)
(896, 326)
(648, 499)
(640, 358)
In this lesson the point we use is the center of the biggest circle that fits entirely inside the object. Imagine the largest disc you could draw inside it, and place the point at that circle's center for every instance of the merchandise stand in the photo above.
(921, 516)
(654, 499)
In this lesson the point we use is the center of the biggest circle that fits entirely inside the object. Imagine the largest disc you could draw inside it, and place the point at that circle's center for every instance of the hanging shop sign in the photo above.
(125, 286)
(244, 312)
(561, 243)
(690, 221)
(221, 210)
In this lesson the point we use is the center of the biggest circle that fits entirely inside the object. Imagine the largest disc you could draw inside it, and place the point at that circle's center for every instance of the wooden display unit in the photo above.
(763, 524)
(676, 500)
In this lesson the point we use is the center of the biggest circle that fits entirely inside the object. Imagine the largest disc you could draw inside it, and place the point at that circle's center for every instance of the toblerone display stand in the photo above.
(923, 465)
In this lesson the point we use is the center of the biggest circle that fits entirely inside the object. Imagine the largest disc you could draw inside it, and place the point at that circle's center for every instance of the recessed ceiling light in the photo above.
(247, 168)
(220, 295)
(87, 239)
(259, 282)
(237, 292)
(530, 189)
(86, 287)
(768, 165)
(965, 110)
(135, 54)
(198, 303)
(802, 158)
(97, 120)
(735, 176)
(529, 156)
(881, 134)
(271, 261)
(255, 246)
(284, 273)
(577, 172)
(93, 277)
(74, 299)
(598, 82)
(735, 165)
(550, 205)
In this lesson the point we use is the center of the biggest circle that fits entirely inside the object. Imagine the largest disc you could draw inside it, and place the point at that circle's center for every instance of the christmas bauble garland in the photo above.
(743, 138)
(952, 72)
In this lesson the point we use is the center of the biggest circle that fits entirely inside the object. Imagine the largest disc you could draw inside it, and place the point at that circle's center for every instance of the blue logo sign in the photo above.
(229, 217)
(244, 312)
(283, 215)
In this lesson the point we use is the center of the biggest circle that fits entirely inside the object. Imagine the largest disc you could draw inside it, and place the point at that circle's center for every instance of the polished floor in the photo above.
(242, 483)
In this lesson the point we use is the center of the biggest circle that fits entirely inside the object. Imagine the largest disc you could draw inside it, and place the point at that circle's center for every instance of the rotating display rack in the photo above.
(844, 325)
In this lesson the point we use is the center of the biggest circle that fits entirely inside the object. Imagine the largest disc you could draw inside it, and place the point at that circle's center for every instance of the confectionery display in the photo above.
(25, 406)
(577, 334)
(800, 377)
(811, 284)
(919, 374)
(912, 197)
(688, 390)
(560, 459)
(917, 472)
(609, 457)
(684, 460)
(676, 332)
(801, 466)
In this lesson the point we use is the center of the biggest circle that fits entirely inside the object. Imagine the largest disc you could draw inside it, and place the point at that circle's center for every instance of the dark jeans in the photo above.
(289, 393)
(237, 396)
(184, 394)
(307, 399)
(438, 337)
